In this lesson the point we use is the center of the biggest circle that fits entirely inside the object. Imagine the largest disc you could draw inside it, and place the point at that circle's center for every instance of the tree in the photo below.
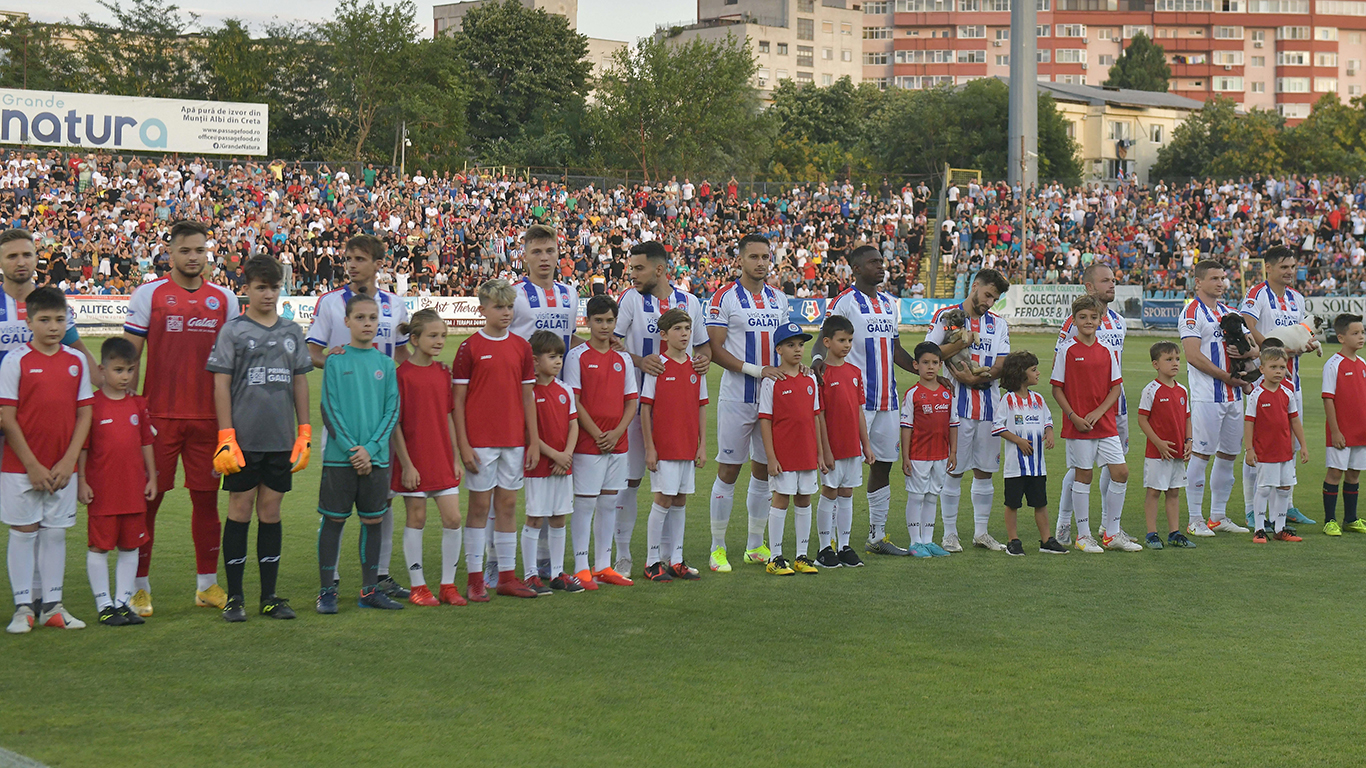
(821, 133)
(236, 67)
(1143, 67)
(1331, 140)
(148, 51)
(1198, 142)
(31, 56)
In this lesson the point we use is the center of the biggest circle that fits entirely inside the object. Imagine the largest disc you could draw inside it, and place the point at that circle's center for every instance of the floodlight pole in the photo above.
(1024, 95)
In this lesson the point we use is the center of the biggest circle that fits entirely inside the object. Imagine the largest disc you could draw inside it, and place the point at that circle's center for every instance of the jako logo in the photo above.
(47, 128)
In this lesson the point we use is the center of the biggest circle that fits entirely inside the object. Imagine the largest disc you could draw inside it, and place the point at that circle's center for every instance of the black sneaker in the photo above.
(327, 600)
(849, 558)
(110, 617)
(392, 588)
(1178, 539)
(566, 583)
(826, 558)
(236, 609)
(276, 608)
(534, 581)
(1052, 547)
(130, 616)
(682, 572)
(374, 597)
(1015, 548)
(659, 572)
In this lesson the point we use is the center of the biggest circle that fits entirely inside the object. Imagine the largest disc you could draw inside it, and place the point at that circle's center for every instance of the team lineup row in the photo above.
(579, 423)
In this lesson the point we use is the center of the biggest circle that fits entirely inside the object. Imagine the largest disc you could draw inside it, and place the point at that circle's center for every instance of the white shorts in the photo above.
(927, 477)
(1276, 474)
(737, 433)
(1088, 454)
(426, 494)
(1217, 428)
(802, 483)
(498, 467)
(847, 473)
(635, 450)
(595, 473)
(673, 477)
(547, 496)
(977, 447)
(1164, 474)
(22, 505)
(884, 434)
(1351, 457)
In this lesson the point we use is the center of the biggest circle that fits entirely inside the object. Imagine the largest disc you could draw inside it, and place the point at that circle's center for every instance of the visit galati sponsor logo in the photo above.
(202, 324)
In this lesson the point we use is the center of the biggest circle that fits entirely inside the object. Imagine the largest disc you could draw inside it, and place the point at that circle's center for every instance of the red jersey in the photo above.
(114, 466)
(47, 390)
(180, 327)
(1270, 414)
(842, 393)
(791, 405)
(495, 370)
(1086, 373)
(425, 403)
(603, 382)
(1344, 382)
(555, 411)
(1168, 409)
(929, 414)
(674, 397)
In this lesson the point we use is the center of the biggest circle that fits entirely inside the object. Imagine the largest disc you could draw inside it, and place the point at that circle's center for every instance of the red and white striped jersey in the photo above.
(536, 309)
(875, 320)
(750, 320)
(993, 341)
(638, 321)
(1201, 322)
(1272, 312)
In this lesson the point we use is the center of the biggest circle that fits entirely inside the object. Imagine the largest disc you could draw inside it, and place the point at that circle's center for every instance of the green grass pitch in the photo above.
(1230, 654)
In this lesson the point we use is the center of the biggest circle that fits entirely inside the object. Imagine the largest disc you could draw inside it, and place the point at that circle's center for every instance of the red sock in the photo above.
(476, 579)
(206, 529)
(506, 576)
(145, 551)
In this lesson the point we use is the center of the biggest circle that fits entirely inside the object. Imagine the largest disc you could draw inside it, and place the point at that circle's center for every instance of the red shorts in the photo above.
(109, 532)
(193, 441)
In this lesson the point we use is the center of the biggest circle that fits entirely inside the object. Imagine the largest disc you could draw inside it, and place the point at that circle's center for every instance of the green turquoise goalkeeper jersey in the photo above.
(359, 405)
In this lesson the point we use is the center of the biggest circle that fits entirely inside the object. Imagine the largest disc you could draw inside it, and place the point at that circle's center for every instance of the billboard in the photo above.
(56, 119)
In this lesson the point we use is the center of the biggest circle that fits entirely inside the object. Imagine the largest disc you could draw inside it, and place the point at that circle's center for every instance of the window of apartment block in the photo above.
(998, 5)
(1229, 6)
(1156, 134)
(880, 82)
(972, 57)
(806, 6)
(1325, 85)
(877, 8)
(1258, 35)
(1292, 85)
(1258, 61)
(1072, 79)
(1353, 90)
(969, 5)
(1041, 30)
(827, 79)
(1278, 6)
(782, 75)
(1228, 58)
(1042, 55)
(1003, 34)
(762, 76)
(1119, 130)
(846, 29)
(1293, 111)
(1292, 59)
(806, 77)
(806, 56)
(846, 54)
(1071, 129)
(828, 27)
(1228, 84)
(876, 58)
(1259, 87)
(1326, 60)
(1186, 6)
(878, 33)
(1002, 60)
(1130, 30)
(1071, 30)
(806, 29)
(782, 49)
(1106, 60)
(1292, 33)
(1228, 33)
(763, 46)
(1353, 66)
(1070, 56)
(827, 54)
(972, 31)
(1326, 33)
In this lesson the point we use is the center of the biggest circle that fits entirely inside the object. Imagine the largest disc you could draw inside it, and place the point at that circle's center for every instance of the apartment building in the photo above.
(1264, 54)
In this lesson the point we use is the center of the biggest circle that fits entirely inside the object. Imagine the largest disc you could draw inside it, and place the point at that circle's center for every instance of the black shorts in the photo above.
(1032, 489)
(271, 469)
(342, 489)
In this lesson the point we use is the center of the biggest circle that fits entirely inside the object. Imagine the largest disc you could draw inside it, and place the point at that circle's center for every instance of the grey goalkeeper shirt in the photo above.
(263, 363)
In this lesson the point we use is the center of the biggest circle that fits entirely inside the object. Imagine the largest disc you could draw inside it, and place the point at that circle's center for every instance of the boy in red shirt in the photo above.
(117, 476)
(790, 421)
(1164, 415)
(549, 485)
(673, 424)
(929, 448)
(604, 383)
(1086, 385)
(1271, 419)
(45, 407)
(495, 429)
(847, 445)
(1344, 389)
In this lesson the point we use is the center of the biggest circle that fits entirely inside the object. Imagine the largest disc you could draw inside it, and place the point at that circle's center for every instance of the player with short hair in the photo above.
(177, 318)
(259, 366)
(1344, 392)
(741, 319)
(1025, 424)
(1164, 415)
(1272, 420)
(550, 484)
(929, 448)
(846, 437)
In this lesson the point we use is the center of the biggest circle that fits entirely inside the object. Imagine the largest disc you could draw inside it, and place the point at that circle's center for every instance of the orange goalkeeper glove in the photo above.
(302, 448)
(228, 460)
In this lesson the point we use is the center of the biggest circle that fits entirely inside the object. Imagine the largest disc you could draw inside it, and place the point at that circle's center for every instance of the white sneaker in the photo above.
(22, 622)
(1201, 528)
(623, 566)
(986, 542)
(1227, 525)
(1063, 535)
(950, 543)
(1120, 543)
(1089, 545)
(60, 618)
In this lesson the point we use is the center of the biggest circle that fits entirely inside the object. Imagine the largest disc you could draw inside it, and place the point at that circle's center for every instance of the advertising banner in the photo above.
(921, 311)
(1052, 304)
(809, 312)
(1162, 313)
(57, 119)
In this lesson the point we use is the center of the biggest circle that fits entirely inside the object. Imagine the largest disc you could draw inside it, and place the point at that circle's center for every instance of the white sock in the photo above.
(52, 562)
(927, 512)
(844, 520)
(948, 502)
(386, 541)
(1065, 500)
(1260, 504)
(913, 512)
(1113, 505)
(97, 567)
(1104, 485)
(604, 528)
(531, 539)
(674, 527)
(556, 540)
(628, 508)
(125, 570)
(777, 518)
(722, 500)
(474, 549)
(505, 544)
(451, 539)
(490, 554)
(23, 553)
(756, 505)
(1081, 507)
(142, 583)
(1290, 494)
(801, 518)
(581, 528)
(204, 580)
(654, 534)
(1249, 487)
(1195, 488)
(879, 505)
(982, 496)
(825, 521)
(412, 552)
(1220, 487)
(543, 547)
(1280, 504)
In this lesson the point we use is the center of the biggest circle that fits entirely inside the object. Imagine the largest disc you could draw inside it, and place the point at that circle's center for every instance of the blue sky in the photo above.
(613, 19)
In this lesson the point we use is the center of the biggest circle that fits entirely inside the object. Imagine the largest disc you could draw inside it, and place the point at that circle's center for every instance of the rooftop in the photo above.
(1121, 97)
